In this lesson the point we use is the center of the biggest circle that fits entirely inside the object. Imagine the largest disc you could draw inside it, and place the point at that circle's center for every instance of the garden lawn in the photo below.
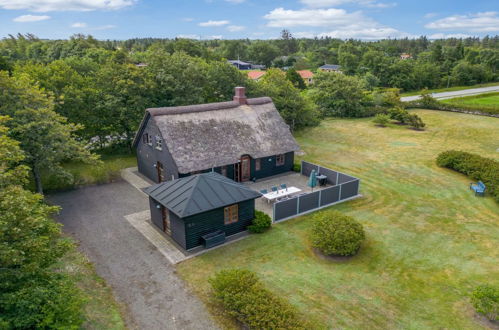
(429, 240)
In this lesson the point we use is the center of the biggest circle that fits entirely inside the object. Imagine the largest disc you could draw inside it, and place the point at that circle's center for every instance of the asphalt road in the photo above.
(140, 276)
(449, 95)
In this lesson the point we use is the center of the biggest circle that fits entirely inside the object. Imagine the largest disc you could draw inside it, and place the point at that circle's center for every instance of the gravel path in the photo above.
(140, 276)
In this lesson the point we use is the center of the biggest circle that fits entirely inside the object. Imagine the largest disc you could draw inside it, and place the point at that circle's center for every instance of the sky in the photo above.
(254, 19)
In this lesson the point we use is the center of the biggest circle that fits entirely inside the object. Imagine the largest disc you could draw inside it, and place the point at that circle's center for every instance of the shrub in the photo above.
(415, 121)
(399, 114)
(297, 168)
(244, 297)
(474, 166)
(334, 233)
(381, 119)
(261, 222)
(485, 299)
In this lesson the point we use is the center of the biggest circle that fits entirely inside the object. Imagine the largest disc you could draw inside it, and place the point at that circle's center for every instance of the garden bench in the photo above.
(478, 188)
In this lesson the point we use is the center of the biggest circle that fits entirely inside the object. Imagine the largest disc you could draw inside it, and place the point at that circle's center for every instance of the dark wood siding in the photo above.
(147, 155)
(207, 222)
(156, 216)
(178, 229)
(268, 166)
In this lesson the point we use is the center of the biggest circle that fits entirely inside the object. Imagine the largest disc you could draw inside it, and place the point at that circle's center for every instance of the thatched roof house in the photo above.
(229, 137)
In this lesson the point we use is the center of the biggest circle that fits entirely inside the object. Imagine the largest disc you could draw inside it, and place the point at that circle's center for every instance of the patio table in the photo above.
(322, 179)
(273, 195)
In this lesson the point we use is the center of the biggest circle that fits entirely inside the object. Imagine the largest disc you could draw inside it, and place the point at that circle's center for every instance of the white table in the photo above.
(273, 195)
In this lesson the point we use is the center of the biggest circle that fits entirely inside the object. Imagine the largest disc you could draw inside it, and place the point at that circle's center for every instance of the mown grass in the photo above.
(101, 311)
(429, 240)
(489, 101)
(450, 89)
(84, 174)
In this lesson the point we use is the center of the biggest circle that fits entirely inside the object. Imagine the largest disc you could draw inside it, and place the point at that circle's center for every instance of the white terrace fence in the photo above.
(344, 187)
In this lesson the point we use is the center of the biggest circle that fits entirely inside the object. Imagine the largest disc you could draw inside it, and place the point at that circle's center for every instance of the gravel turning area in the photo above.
(141, 277)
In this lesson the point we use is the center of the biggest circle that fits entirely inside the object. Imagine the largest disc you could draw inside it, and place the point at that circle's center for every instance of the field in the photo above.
(489, 101)
(450, 89)
(429, 240)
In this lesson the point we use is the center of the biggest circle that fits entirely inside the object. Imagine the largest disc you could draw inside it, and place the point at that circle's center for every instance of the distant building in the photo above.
(405, 56)
(256, 75)
(241, 65)
(330, 68)
(307, 76)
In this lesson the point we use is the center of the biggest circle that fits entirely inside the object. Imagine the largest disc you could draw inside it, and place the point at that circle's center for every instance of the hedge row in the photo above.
(245, 298)
(474, 166)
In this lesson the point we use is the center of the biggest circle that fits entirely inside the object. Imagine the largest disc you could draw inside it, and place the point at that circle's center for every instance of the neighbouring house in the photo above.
(405, 56)
(190, 208)
(241, 65)
(256, 75)
(330, 68)
(307, 76)
(244, 139)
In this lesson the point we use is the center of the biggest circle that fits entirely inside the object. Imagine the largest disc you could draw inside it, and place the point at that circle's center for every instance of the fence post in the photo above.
(273, 213)
(320, 198)
(340, 192)
(301, 168)
(337, 177)
(298, 205)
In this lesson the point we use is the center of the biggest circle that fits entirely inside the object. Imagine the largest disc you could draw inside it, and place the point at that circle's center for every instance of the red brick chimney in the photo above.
(240, 95)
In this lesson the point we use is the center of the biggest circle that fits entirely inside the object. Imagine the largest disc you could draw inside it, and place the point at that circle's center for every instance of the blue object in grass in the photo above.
(478, 188)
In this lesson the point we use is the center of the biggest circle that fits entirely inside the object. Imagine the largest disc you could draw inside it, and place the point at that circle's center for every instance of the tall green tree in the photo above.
(46, 137)
(339, 95)
(297, 110)
(262, 52)
(295, 79)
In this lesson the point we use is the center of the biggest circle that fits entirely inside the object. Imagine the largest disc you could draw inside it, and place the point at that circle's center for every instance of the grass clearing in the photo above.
(429, 243)
(450, 89)
(101, 310)
(489, 101)
(85, 174)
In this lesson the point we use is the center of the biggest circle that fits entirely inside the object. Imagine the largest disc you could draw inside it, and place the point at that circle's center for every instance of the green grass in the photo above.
(101, 311)
(450, 89)
(429, 240)
(84, 174)
(489, 101)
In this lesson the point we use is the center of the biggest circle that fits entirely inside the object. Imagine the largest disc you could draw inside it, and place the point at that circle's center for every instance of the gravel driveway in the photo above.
(140, 276)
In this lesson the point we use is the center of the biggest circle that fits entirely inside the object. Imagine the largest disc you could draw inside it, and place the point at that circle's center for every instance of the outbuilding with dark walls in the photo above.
(190, 208)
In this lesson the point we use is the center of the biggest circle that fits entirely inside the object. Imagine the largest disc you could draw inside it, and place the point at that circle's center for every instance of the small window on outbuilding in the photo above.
(159, 142)
(231, 214)
(280, 159)
(258, 165)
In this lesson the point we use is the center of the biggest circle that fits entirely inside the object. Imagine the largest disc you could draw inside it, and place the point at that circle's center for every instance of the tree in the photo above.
(339, 95)
(262, 52)
(287, 43)
(11, 170)
(294, 107)
(46, 138)
(295, 79)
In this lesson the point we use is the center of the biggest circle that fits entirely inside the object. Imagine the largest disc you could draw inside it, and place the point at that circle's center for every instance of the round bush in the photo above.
(261, 222)
(485, 299)
(334, 233)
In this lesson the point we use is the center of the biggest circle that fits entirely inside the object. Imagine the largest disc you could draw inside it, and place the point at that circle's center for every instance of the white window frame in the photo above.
(159, 142)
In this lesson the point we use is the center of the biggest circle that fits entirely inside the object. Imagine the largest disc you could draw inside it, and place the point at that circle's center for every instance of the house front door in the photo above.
(161, 172)
(245, 168)
(166, 220)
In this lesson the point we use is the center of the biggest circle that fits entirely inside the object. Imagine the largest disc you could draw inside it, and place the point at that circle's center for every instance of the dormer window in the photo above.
(159, 142)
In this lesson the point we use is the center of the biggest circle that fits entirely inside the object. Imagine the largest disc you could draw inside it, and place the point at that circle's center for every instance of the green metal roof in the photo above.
(199, 193)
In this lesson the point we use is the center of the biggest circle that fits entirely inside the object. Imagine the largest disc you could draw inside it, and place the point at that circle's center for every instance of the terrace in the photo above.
(338, 187)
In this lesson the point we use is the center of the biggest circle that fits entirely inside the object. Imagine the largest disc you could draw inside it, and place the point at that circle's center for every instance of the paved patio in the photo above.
(291, 179)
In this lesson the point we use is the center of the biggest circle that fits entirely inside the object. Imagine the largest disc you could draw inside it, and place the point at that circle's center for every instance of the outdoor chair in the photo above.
(478, 188)
(283, 186)
(274, 188)
(264, 191)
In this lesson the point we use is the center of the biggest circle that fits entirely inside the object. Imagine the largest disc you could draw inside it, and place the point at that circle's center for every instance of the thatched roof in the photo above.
(217, 134)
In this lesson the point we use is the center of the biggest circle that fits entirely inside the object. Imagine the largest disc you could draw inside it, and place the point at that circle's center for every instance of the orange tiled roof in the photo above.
(255, 74)
(305, 74)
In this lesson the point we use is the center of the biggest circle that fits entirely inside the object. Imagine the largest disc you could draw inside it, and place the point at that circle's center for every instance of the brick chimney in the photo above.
(240, 95)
